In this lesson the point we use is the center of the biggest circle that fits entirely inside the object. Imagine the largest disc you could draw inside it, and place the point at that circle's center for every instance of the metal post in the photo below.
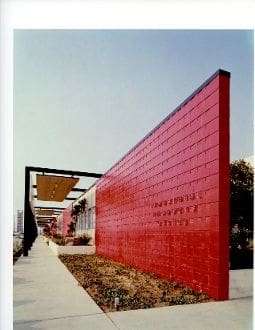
(26, 205)
(30, 229)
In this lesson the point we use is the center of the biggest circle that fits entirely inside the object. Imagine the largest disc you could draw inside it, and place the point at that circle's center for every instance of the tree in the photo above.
(241, 215)
(241, 180)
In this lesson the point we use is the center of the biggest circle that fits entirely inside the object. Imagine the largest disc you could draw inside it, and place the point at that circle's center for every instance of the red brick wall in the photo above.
(164, 207)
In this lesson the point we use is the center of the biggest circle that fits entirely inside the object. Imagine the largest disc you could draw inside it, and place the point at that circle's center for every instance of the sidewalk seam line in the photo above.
(57, 318)
(112, 321)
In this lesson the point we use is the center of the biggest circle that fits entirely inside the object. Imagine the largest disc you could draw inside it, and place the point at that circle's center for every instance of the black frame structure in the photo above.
(30, 228)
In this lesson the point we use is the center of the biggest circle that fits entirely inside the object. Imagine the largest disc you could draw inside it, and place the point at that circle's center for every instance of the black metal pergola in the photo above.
(30, 228)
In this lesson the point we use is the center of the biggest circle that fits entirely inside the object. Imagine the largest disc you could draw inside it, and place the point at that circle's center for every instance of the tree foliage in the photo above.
(241, 180)
(241, 214)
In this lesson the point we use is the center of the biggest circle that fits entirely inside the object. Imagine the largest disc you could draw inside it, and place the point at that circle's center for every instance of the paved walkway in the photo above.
(46, 296)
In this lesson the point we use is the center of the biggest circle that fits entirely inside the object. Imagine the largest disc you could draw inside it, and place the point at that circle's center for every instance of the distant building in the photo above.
(20, 221)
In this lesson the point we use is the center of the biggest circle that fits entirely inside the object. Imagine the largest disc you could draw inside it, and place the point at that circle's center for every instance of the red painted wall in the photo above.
(164, 207)
(67, 218)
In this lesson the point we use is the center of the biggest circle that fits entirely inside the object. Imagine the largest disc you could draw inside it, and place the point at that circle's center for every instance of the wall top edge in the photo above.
(223, 72)
(219, 72)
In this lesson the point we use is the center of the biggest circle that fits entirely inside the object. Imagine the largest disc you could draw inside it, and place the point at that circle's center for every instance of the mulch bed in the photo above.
(17, 254)
(105, 280)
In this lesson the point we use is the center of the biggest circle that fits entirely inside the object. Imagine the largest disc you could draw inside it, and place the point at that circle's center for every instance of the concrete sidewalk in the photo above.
(46, 296)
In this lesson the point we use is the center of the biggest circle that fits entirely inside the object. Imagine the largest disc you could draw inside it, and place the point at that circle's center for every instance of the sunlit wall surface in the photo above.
(164, 207)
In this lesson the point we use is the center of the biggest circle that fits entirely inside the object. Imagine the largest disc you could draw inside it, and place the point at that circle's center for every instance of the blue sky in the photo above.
(83, 98)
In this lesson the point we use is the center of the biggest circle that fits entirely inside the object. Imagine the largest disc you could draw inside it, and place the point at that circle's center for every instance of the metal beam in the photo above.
(66, 199)
(74, 189)
(47, 208)
(79, 189)
(66, 172)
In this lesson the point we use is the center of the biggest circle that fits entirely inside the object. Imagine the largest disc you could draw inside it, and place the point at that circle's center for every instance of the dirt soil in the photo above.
(115, 286)
(17, 254)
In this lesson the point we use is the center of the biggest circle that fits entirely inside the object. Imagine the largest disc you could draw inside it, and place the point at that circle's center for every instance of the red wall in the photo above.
(164, 207)
(67, 218)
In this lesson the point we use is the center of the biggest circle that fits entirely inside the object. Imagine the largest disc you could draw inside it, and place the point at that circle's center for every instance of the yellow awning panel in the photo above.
(54, 188)
(44, 212)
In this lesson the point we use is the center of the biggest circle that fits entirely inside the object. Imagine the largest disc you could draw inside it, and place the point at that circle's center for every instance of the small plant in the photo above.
(71, 228)
(58, 239)
(47, 231)
(83, 204)
(186, 290)
(76, 209)
(112, 293)
(82, 240)
(164, 297)
(174, 285)
(183, 299)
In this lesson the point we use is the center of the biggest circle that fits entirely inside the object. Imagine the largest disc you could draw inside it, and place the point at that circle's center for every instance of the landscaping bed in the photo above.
(17, 254)
(115, 286)
(71, 249)
(17, 248)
